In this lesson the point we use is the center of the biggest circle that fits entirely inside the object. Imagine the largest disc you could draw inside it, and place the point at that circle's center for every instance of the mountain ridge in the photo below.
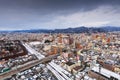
(71, 30)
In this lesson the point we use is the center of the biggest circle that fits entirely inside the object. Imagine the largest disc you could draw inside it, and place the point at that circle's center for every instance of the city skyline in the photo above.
(57, 14)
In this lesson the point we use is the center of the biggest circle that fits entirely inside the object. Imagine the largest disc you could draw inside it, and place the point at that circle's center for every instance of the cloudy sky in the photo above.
(52, 14)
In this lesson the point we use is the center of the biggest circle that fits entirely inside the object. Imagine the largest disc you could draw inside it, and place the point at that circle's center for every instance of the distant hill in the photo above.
(72, 30)
(111, 29)
(79, 30)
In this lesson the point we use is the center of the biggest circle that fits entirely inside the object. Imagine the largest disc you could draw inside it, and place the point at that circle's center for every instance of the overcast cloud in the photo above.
(52, 14)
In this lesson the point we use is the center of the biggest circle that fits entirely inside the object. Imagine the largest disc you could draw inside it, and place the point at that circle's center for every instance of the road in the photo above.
(32, 51)
(58, 71)
(106, 72)
(27, 66)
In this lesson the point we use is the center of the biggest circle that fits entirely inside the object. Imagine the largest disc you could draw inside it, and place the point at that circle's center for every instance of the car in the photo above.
(5, 70)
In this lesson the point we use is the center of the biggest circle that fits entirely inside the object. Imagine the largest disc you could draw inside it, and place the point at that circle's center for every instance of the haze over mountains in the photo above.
(71, 30)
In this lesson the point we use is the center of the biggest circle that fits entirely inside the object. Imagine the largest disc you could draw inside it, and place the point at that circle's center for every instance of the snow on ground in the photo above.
(106, 72)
